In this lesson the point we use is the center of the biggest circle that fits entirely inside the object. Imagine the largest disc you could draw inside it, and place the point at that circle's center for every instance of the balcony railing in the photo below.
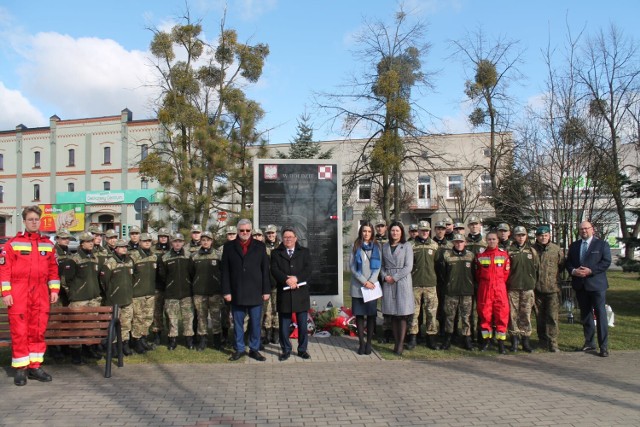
(427, 204)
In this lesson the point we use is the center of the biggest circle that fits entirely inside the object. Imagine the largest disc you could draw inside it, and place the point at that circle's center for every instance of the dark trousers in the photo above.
(590, 302)
(284, 320)
(255, 315)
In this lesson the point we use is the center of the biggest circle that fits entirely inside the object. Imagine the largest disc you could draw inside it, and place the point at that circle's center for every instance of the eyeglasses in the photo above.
(245, 231)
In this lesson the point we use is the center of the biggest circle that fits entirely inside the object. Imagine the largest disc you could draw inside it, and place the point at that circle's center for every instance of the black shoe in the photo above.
(146, 344)
(587, 347)
(137, 346)
(304, 355)
(76, 356)
(217, 342)
(256, 355)
(202, 343)
(468, 344)
(604, 352)
(189, 343)
(126, 350)
(284, 356)
(361, 348)
(367, 348)
(156, 338)
(411, 343)
(501, 349)
(432, 343)
(514, 344)
(21, 377)
(485, 344)
(39, 374)
(447, 342)
(526, 345)
(237, 355)
(56, 353)
(173, 343)
(95, 351)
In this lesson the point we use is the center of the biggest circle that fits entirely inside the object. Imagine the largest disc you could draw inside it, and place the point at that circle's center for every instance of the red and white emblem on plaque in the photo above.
(270, 171)
(325, 171)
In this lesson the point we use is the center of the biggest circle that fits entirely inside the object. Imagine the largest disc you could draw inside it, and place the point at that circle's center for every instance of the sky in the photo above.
(78, 59)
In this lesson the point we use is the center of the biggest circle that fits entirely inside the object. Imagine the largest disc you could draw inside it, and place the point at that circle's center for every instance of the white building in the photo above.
(88, 165)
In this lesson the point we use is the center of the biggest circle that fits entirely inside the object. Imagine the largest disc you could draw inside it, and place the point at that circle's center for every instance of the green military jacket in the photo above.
(425, 256)
(458, 272)
(551, 264)
(81, 273)
(145, 265)
(102, 253)
(381, 239)
(525, 263)
(475, 243)
(116, 278)
(192, 247)
(271, 246)
(62, 256)
(176, 274)
(206, 267)
(505, 244)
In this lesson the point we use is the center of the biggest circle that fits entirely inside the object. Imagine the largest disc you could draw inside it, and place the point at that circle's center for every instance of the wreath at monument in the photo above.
(336, 321)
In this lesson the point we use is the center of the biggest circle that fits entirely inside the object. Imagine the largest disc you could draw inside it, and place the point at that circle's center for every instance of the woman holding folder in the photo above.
(365, 262)
(291, 268)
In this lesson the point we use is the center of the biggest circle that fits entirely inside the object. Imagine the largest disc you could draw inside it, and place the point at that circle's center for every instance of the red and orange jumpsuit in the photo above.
(29, 273)
(493, 304)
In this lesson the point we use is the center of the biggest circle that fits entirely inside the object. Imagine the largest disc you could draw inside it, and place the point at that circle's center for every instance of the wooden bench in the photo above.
(76, 326)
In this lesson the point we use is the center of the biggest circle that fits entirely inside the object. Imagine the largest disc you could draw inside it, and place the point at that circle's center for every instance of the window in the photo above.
(485, 185)
(36, 159)
(1, 193)
(107, 155)
(144, 184)
(71, 187)
(144, 151)
(36, 192)
(1, 162)
(424, 192)
(106, 186)
(487, 152)
(364, 190)
(72, 157)
(454, 186)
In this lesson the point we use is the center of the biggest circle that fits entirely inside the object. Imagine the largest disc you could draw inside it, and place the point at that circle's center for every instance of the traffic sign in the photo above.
(222, 216)
(141, 204)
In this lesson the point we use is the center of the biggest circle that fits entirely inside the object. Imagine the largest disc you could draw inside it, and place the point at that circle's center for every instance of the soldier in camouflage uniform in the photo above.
(98, 249)
(207, 291)
(270, 324)
(448, 232)
(382, 238)
(424, 280)
(458, 272)
(134, 237)
(162, 247)
(547, 290)
(257, 234)
(62, 255)
(145, 264)
(413, 232)
(476, 244)
(194, 245)
(111, 236)
(439, 230)
(504, 233)
(81, 272)
(116, 278)
(176, 274)
(525, 263)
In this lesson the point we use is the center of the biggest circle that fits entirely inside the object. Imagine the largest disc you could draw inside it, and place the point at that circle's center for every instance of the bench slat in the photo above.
(78, 317)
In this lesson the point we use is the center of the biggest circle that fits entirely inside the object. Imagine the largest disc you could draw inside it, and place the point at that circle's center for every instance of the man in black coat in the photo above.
(245, 284)
(291, 268)
(587, 262)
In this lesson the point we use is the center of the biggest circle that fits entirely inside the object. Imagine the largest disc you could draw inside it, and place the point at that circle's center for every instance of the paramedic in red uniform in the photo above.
(30, 283)
(492, 270)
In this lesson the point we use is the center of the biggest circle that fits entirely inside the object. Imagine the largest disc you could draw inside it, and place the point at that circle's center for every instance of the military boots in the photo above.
(202, 343)
(137, 346)
(189, 343)
(126, 350)
(501, 349)
(514, 343)
(526, 345)
(468, 343)
(173, 343)
(446, 345)
(217, 342)
(411, 343)
(432, 343)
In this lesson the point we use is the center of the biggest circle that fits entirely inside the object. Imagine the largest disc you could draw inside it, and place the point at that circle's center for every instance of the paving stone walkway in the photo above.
(337, 388)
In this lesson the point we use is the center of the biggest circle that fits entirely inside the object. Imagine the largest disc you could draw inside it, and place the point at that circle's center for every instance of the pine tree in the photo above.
(303, 146)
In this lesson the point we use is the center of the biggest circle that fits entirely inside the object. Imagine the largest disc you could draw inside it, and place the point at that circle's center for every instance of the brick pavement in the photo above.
(540, 389)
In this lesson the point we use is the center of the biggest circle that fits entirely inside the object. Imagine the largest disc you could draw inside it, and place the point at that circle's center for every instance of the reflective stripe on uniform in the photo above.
(6, 286)
(20, 362)
(486, 334)
(36, 357)
(501, 336)
(21, 246)
(44, 248)
(54, 284)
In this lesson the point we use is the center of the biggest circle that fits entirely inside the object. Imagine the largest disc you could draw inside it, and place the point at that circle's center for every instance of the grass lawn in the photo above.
(623, 296)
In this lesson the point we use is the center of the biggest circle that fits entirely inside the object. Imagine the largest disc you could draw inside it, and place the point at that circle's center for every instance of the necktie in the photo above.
(290, 252)
(583, 251)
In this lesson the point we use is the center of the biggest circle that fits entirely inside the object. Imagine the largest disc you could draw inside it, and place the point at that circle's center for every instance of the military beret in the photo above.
(145, 237)
(121, 243)
(503, 227)
(543, 229)
(424, 225)
(232, 229)
(458, 238)
(519, 230)
(134, 229)
(85, 236)
(111, 233)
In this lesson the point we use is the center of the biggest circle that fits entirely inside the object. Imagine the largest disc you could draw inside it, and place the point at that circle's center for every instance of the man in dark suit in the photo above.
(587, 262)
(291, 268)
(245, 284)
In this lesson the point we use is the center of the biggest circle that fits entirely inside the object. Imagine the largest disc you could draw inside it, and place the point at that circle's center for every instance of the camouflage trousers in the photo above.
(208, 306)
(425, 299)
(143, 308)
(547, 307)
(126, 319)
(95, 302)
(158, 312)
(270, 310)
(176, 309)
(520, 305)
(463, 306)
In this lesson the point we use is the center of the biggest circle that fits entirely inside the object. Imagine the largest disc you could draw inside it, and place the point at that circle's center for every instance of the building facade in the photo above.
(91, 162)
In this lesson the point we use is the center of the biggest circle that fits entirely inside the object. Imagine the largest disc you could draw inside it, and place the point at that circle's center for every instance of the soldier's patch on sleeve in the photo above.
(2, 259)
